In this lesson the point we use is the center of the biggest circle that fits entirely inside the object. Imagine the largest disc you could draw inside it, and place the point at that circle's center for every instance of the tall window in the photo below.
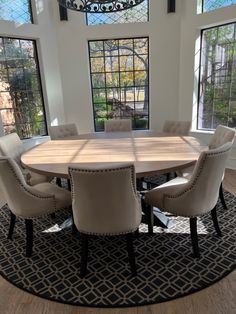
(209, 5)
(120, 80)
(16, 10)
(21, 101)
(138, 13)
(217, 89)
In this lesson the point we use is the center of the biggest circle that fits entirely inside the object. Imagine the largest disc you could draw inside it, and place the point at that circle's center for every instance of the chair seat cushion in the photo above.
(155, 197)
(62, 196)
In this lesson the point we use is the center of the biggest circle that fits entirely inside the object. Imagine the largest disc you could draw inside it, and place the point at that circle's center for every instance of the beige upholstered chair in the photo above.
(12, 146)
(195, 196)
(105, 203)
(221, 136)
(59, 132)
(177, 127)
(29, 202)
(118, 125)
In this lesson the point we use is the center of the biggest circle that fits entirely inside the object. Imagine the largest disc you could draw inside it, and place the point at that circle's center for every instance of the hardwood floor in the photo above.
(217, 299)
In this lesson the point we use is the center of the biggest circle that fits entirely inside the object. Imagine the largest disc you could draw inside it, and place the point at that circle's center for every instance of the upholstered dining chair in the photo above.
(195, 196)
(12, 146)
(105, 203)
(29, 202)
(118, 125)
(62, 131)
(221, 136)
(177, 127)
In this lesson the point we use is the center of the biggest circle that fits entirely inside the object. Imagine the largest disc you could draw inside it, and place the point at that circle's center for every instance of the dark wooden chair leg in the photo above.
(221, 195)
(131, 255)
(84, 254)
(215, 221)
(58, 182)
(136, 233)
(194, 236)
(68, 184)
(53, 215)
(150, 219)
(74, 228)
(29, 237)
(12, 225)
(148, 211)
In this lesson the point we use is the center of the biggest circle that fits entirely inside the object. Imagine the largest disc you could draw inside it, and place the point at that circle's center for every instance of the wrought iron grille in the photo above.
(217, 85)
(139, 13)
(21, 99)
(119, 70)
(209, 5)
(16, 10)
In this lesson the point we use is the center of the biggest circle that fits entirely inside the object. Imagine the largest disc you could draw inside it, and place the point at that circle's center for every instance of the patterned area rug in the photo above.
(166, 268)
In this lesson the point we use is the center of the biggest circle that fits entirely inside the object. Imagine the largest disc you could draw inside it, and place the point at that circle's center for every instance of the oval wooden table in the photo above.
(151, 152)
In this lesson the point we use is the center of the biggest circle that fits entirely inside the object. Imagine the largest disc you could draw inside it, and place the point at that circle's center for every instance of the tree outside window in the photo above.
(120, 81)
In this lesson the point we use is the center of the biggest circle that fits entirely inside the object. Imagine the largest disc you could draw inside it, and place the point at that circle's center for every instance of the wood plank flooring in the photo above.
(217, 299)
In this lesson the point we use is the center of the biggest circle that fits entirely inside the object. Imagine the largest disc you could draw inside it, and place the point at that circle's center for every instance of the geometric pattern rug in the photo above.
(166, 268)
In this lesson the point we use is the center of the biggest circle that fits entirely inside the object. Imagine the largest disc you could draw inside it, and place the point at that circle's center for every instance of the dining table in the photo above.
(151, 152)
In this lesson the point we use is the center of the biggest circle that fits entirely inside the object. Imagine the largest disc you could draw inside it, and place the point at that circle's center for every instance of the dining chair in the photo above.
(177, 127)
(59, 132)
(118, 125)
(221, 136)
(29, 202)
(195, 196)
(12, 146)
(105, 203)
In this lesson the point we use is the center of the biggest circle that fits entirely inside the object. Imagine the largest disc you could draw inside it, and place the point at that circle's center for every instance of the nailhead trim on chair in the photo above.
(193, 184)
(92, 171)
(34, 195)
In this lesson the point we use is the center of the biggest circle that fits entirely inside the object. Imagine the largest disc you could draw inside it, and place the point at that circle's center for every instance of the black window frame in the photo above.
(199, 73)
(30, 12)
(105, 88)
(35, 44)
(202, 7)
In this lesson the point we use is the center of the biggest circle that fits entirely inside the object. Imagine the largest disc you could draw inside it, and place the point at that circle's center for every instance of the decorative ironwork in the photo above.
(137, 14)
(99, 6)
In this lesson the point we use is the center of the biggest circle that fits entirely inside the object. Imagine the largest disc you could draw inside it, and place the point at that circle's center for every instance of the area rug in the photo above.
(166, 268)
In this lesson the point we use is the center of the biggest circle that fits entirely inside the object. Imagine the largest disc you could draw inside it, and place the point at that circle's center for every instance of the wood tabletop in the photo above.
(151, 152)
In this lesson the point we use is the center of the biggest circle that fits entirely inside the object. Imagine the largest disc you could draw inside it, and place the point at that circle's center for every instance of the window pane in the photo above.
(138, 13)
(209, 5)
(217, 93)
(21, 101)
(16, 10)
(121, 89)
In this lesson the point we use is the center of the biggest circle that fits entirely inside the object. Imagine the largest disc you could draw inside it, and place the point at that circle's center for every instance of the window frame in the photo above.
(35, 44)
(31, 12)
(105, 88)
(199, 73)
(202, 7)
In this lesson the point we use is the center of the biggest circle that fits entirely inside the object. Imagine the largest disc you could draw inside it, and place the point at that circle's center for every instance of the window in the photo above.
(21, 101)
(120, 81)
(138, 13)
(16, 10)
(209, 5)
(217, 88)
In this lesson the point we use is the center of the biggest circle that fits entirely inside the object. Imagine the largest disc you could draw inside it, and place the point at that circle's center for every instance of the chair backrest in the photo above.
(11, 146)
(59, 132)
(201, 193)
(118, 125)
(177, 127)
(104, 200)
(221, 136)
(22, 199)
